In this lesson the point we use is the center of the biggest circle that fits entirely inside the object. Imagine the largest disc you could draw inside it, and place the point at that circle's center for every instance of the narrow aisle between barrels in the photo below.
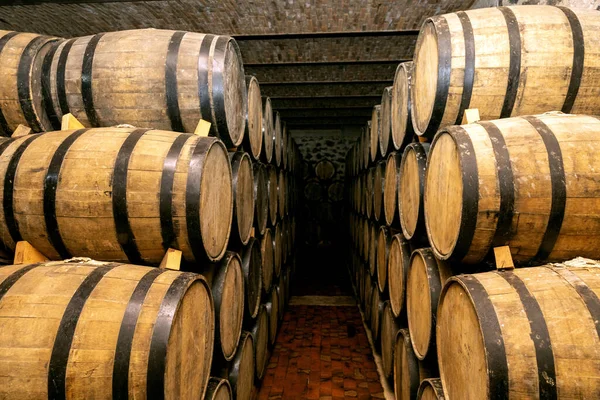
(322, 350)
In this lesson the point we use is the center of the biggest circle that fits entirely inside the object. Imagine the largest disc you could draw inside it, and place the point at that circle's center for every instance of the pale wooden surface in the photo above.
(84, 204)
(571, 328)
(374, 133)
(398, 264)
(390, 192)
(32, 309)
(254, 129)
(400, 115)
(25, 253)
(545, 71)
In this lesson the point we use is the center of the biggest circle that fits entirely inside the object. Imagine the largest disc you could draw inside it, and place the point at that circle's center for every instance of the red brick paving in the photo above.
(321, 353)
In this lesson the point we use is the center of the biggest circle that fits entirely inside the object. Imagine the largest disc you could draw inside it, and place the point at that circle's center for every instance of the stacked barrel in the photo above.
(165, 198)
(441, 209)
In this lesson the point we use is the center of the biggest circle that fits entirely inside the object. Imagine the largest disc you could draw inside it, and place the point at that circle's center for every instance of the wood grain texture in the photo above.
(97, 193)
(505, 61)
(116, 316)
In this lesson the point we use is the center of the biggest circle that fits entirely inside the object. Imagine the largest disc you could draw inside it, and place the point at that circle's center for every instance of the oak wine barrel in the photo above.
(277, 250)
(384, 242)
(22, 58)
(526, 332)
(366, 151)
(272, 182)
(431, 389)
(253, 137)
(268, 129)
(408, 370)
(398, 265)
(385, 131)
(378, 188)
(241, 372)
(278, 140)
(366, 233)
(226, 279)
(373, 245)
(376, 314)
(140, 329)
(260, 334)
(525, 182)
(505, 61)
(325, 170)
(369, 191)
(154, 78)
(280, 288)
(117, 194)
(218, 389)
(313, 190)
(261, 198)
(402, 125)
(267, 255)
(281, 193)
(389, 331)
(243, 196)
(335, 192)
(252, 269)
(374, 133)
(368, 292)
(426, 278)
(411, 186)
(390, 191)
(285, 147)
(272, 307)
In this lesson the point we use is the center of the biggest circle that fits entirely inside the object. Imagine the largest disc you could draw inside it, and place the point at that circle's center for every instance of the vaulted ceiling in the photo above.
(324, 63)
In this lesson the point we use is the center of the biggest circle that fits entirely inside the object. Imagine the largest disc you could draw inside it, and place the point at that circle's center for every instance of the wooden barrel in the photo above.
(218, 389)
(335, 192)
(253, 137)
(285, 146)
(389, 331)
(366, 233)
(378, 188)
(496, 193)
(368, 191)
(261, 198)
(268, 131)
(281, 193)
(408, 370)
(243, 196)
(272, 307)
(226, 279)
(252, 269)
(385, 132)
(384, 241)
(368, 292)
(402, 126)
(514, 74)
(426, 278)
(267, 255)
(277, 250)
(133, 323)
(366, 151)
(398, 264)
(373, 238)
(376, 313)
(260, 334)
(177, 79)
(273, 180)
(22, 58)
(241, 372)
(277, 140)
(280, 288)
(411, 185)
(530, 332)
(390, 188)
(431, 389)
(117, 194)
(374, 133)
(313, 190)
(325, 170)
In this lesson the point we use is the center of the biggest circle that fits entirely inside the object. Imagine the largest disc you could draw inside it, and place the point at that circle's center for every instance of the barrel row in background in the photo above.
(132, 195)
(426, 216)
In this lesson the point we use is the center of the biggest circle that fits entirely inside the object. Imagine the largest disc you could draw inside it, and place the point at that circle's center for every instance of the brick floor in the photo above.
(322, 352)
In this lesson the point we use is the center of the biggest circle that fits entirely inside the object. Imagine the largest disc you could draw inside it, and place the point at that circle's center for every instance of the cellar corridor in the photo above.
(322, 349)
